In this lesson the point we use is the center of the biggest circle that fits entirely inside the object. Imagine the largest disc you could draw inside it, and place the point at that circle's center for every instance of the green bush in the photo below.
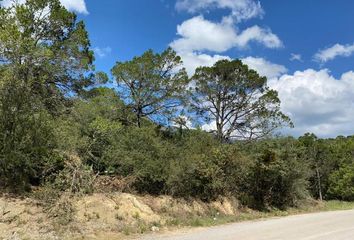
(342, 183)
(27, 143)
(140, 152)
(205, 169)
(279, 177)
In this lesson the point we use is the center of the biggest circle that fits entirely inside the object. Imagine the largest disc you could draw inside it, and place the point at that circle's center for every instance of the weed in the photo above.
(136, 215)
(119, 217)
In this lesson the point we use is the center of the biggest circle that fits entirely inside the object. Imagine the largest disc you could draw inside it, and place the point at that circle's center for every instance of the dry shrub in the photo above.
(76, 177)
(114, 184)
(62, 210)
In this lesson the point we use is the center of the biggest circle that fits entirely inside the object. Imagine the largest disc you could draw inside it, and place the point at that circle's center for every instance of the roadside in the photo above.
(122, 216)
(331, 225)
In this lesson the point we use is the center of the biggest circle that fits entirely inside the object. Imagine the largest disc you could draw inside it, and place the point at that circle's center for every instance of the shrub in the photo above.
(141, 153)
(279, 176)
(75, 178)
(206, 169)
(341, 184)
(27, 150)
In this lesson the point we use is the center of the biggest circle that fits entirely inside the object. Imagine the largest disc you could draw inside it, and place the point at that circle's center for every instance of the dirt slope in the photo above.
(99, 216)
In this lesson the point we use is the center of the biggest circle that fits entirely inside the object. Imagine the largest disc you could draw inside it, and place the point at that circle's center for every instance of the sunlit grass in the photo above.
(247, 214)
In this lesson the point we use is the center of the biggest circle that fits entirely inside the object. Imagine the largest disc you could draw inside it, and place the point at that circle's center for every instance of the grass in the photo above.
(337, 205)
(247, 215)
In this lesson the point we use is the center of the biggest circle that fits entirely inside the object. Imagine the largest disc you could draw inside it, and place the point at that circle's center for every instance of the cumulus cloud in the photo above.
(197, 34)
(258, 34)
(75, 5)
(240, 9)
(317, 102)
(192, 60)
(264, 67)
(336, 50)
(78, 6)
(102, 52)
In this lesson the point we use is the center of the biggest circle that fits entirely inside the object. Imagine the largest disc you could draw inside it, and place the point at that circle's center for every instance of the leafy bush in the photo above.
(27, 144)
(279, 176)
(140, 152)
(207, 169)
(342, 183)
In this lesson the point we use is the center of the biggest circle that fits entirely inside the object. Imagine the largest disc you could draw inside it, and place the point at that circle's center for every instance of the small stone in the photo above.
(155, 229)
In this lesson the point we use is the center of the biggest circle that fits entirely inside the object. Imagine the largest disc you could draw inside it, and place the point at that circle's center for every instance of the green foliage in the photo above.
(237, 99)
(206, 169)
(325, 156)
(341, 183)
(279, 175)
(92, 126)
(44, 54)
(46, 50)
(27, 143)
(152, 84)
(140, 152)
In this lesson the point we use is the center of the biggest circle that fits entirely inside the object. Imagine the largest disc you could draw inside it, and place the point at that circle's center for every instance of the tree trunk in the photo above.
(139, 114)
(138, 120)
(319, 183)
(219, 134)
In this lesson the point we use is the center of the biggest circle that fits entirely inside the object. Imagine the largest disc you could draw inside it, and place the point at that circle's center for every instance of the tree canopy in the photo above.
(153, 85)
(238, 100)
(45, 49)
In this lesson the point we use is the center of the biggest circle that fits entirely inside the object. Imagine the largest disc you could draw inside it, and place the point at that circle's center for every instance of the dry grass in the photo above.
(116, 215)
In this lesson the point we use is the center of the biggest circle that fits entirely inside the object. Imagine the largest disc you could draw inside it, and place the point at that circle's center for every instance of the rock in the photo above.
(155, 229)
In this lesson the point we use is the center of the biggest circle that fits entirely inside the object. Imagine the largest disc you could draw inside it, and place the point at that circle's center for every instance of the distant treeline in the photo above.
(61, 126)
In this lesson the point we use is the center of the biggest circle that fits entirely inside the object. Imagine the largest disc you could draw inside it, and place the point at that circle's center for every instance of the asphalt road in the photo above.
(337, 225)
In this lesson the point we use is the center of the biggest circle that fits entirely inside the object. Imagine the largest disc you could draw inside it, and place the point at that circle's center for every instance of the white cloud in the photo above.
(336, 50)
(318, 102)
(264, 67)
(258, 34)
(75, 5)
(78, 6)
(102, 52)
(209, 127)
(200, 34)
(192, 60)
(296, 57)
(240, 9)
(197, 34)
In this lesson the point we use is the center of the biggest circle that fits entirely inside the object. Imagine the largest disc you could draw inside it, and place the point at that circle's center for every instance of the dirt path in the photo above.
(338, 225)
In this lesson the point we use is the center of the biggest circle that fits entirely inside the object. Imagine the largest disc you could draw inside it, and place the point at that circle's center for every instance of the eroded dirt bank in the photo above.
(98, 216)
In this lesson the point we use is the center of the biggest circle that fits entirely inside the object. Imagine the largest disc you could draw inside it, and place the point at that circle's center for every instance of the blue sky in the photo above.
(130, 27)
(304, 47)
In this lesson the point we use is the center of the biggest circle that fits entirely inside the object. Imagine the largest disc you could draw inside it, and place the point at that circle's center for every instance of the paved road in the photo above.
(338, 225)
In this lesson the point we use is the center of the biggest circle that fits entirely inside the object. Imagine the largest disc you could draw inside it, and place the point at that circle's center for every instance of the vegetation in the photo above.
(60, 126)
(151, 85)
(238, 100)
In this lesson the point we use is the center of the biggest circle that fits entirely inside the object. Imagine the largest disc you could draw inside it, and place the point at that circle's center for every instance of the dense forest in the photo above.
(63, 125)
